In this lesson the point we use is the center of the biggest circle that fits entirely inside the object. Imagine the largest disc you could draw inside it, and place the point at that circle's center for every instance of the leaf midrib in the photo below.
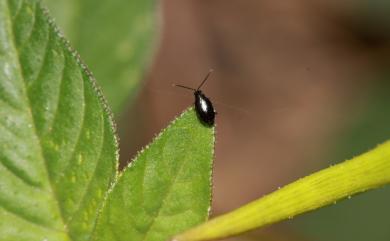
(28, 102)
(167, 193)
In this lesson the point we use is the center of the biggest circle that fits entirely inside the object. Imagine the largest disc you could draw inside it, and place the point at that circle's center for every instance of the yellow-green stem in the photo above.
(367, 171)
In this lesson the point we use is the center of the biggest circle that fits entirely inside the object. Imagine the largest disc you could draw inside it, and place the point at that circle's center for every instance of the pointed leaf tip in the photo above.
(167, 187)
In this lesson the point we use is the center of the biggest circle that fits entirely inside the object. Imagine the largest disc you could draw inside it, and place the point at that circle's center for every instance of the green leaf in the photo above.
(116, 38)
(166, 189)
(367, 171)
(58, 152)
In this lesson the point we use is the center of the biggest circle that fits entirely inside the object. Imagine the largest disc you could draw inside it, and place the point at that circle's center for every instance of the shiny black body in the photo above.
(204, 108)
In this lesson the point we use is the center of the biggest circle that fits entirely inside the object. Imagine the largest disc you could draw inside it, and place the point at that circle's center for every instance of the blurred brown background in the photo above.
(298, 85)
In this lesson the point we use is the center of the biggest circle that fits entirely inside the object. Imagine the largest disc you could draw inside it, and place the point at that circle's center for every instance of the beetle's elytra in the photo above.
(203, 106)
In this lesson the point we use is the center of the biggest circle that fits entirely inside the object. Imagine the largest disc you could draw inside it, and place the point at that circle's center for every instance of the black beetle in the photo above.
(203, 106)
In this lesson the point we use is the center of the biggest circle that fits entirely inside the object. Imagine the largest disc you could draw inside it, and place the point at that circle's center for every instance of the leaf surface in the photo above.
(58, 152)
(116, 38)
(166, 189)
(367, 171)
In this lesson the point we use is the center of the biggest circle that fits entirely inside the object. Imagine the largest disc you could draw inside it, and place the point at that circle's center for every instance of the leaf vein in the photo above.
(18, 10)
(28, 219)
(165, 197)
(89, 181)
(45, 56)
(60, 87)
(17, 172)
(31, 31)
(34, 124)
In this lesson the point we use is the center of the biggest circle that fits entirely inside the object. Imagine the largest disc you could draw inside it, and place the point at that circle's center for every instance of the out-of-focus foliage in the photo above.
(349, 220)
(115, 38)
(373, 16)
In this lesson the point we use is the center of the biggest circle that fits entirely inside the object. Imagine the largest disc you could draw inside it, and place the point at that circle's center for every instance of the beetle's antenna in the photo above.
(185, 87)
(204, 80)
